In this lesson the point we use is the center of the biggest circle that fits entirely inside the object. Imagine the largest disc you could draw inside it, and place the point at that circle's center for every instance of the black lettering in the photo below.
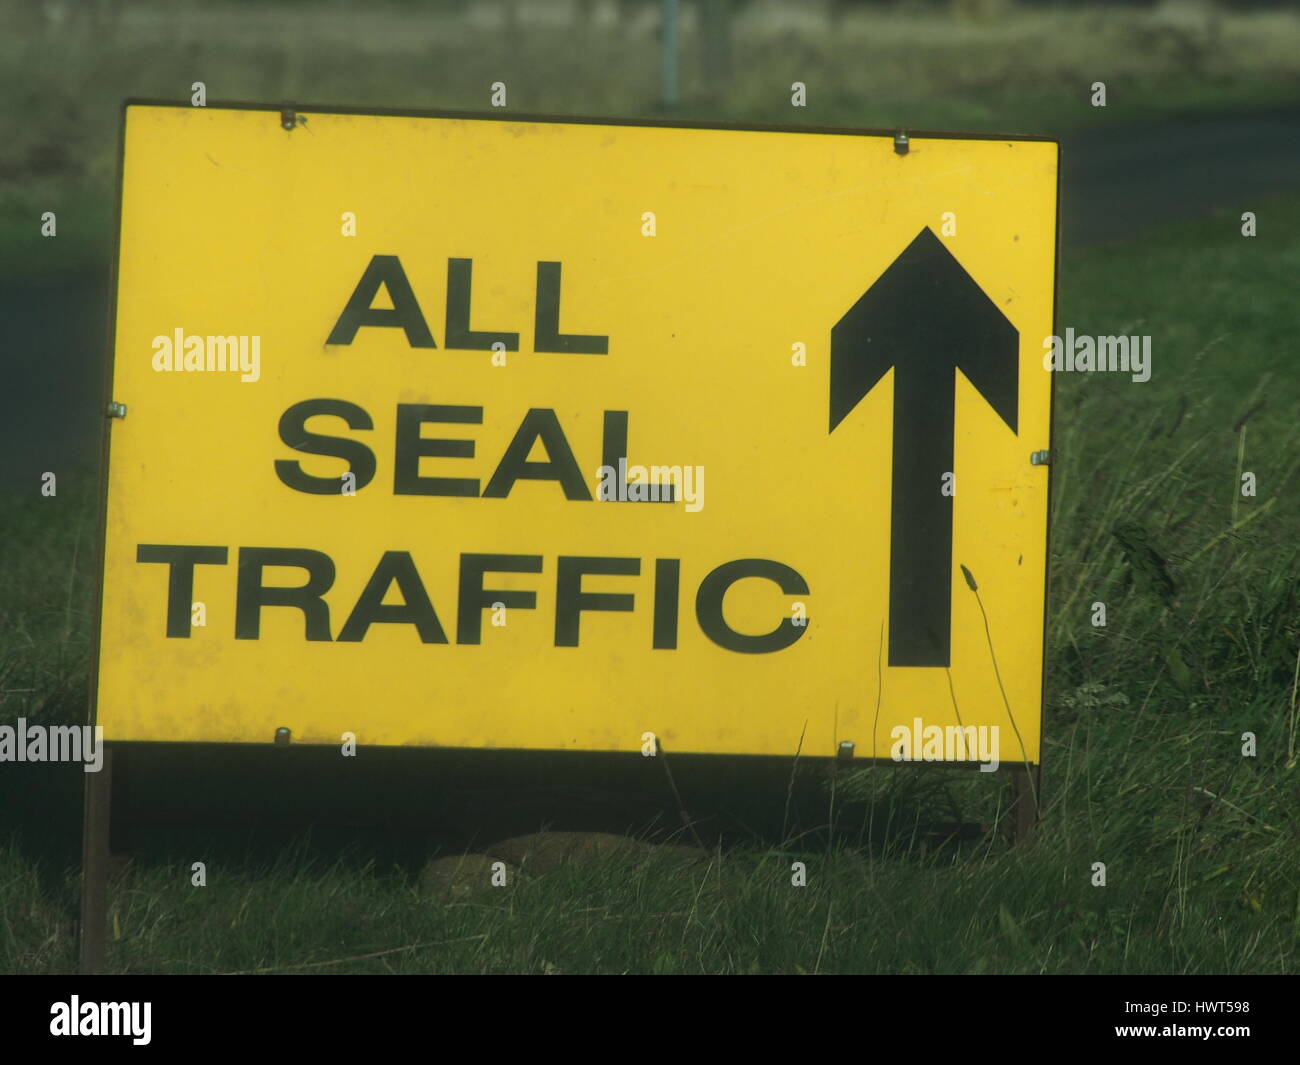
(182, 558)
(251, 595)
(411, 446)
(474, 597)
(546, 320)
(293, 431)
(668, 573)
(459, 335)
(614, 448)
(415, 608)
(538, 424)
(405, 313)
(708, 605)
(571, 600)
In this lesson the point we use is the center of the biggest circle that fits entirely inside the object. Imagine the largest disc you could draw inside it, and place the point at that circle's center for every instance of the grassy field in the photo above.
(1144, 723)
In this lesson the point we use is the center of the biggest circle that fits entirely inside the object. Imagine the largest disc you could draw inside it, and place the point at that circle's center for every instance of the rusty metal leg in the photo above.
(1026, 782)
(94, 864)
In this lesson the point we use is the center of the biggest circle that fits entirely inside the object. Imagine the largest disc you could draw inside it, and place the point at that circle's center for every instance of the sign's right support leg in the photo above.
(1026, 782)
(96, 823)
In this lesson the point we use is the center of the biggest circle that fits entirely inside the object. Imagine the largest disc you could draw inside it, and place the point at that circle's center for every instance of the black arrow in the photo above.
(925, 317)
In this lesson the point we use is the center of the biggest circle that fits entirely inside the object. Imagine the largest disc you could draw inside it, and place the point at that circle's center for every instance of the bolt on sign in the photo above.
(526, 433)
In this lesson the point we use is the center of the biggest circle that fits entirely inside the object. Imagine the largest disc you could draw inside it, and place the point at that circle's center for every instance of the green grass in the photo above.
(1143, 770)
(46, 588)
(1030, 910)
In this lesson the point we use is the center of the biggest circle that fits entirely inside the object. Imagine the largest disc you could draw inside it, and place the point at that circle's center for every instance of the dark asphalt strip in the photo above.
(1116, 184)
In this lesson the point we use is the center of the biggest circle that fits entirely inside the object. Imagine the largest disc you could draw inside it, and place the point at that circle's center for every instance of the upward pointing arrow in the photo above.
(925, 317)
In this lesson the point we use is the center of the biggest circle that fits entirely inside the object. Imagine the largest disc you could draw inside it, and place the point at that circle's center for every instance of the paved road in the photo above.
(1114, 186)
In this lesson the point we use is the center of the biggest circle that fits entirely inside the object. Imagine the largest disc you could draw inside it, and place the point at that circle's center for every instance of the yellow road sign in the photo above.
(525, 433)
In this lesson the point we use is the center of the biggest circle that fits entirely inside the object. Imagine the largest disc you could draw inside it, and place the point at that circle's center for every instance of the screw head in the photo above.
(117, 410)
(901, 144)
(845, 751)
(282, 736)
